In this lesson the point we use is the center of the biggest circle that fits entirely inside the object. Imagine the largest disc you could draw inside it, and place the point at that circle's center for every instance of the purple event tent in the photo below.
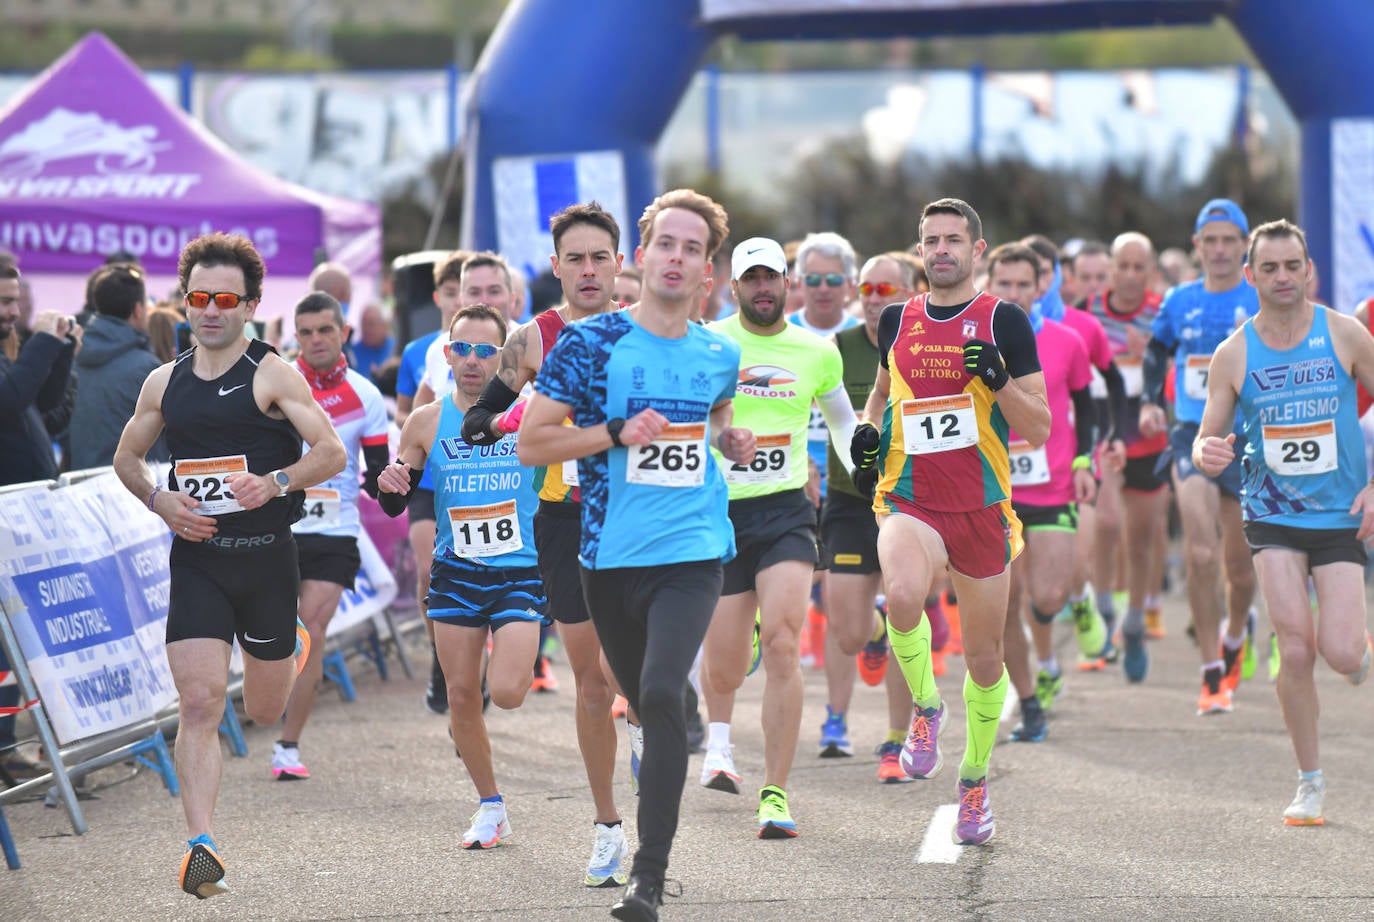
(93, 160)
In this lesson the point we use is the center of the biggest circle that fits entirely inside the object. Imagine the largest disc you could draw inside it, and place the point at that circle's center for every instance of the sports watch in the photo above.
(282, 481)
(613, 427)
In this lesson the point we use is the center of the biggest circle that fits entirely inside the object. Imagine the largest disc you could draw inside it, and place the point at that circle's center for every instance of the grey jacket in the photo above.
(114, 361)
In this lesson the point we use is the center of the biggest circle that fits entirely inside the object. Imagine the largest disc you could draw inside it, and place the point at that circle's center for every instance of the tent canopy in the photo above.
(94, 161)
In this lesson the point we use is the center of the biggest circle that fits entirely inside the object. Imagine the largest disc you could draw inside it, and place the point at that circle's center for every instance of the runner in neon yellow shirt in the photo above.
(783, 369)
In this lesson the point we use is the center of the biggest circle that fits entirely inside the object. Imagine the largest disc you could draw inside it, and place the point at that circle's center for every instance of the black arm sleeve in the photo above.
(495, 398)
(393, 504)
(22, 380)
(1116, 401)
(54, 391)
(889, 325)
(374, 459)
(1015, 339)
(1083, 418)
(1154, 367)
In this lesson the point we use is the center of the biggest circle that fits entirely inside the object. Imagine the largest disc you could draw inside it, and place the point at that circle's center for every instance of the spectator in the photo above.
(375, 343)
(162, 333)
(30, 386)
(113, 366)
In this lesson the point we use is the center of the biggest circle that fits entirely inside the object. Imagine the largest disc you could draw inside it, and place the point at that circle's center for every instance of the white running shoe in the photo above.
(636, 754)
(1359, 675)
(604, 870)
(489, 824)
(718, 770)
(286, 763)
(1306, 808)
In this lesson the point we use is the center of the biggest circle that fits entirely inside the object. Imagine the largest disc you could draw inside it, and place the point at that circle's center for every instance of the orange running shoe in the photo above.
(302, 646)
(1230, 667)
(937, 662)
(1215, 697)
(1154, 623)
(873, 656)
(619, 707)
(544, 679)
(950, 605)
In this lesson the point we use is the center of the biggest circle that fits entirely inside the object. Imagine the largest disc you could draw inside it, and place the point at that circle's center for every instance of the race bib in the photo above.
(935, 424)
(772, 462)
(322, 508)
(1133, 376)
(570, 473)
(1195, 376)
(1293, 451)
(485, 531)
(677, 458)
(203, 479)
(1030, 467)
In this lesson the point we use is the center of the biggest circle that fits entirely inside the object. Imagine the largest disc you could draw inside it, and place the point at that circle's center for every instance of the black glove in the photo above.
(863, 446)
(982, 360)
(865, 480)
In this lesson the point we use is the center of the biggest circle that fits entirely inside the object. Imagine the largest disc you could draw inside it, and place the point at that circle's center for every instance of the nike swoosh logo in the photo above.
(225, 393)
(754, 250)
(252, 639)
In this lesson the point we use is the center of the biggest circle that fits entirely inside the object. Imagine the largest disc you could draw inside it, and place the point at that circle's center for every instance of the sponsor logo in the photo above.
(637, 378)
(225, 392)
(917, 329)
(122, 159)
(251, 639)
(1316, 342)
(970, 329)
(766, 376)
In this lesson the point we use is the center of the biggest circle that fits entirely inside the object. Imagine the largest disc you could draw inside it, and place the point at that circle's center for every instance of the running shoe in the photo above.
(950, 605)
(1048, 685)
(202, 871)
(1306, 808)
(544, 679)
(641, 899)
(1033, 727)
(1230, 666)
(1110, 652)
(636, 754)
(937, 663)
(873, 656)
(619, 707)
(1154, 623)
(975, 825)
(286, 763)
(604, 870)
(1248, 657)
(718, 770)
(1273, 657)
(1215, 697)
(775, 822)
(302, 646)
(1089, 628)
(921, 757)
(489, 824)
(835, 736)
(1359, 675)
(890, 769)
(436, 693)
(756, 653)
(1135, 661)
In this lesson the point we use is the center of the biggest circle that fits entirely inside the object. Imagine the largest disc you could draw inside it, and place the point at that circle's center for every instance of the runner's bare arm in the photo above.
(735, 444)
(545, 440)
(1212, 448)
(399, 478)
(139, 434)
(1026, 408)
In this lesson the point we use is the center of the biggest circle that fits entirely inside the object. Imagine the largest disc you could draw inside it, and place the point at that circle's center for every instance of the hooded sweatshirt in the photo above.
(115, 359)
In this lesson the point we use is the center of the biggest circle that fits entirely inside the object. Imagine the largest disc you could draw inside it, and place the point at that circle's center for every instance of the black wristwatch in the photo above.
(613, 427)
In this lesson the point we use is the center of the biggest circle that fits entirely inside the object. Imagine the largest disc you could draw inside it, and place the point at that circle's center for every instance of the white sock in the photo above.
(1050, 665)
(718, 736)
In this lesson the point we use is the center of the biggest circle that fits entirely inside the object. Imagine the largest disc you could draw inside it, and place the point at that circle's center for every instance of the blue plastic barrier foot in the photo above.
(372, 648)
(336, 671)
(231, 729)
(7, 843)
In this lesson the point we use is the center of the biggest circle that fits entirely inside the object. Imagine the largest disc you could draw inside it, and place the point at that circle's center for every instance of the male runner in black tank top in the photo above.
(235, 415)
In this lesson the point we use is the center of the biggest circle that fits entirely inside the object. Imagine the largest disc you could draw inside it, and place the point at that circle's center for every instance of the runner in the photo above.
(1047, 484)
(850, 535)
(1308, 511)
(327, 537)
(649, 391)
(586, 241)
(783, 368)
(1192, 322)
(958, 368)
(484, 578)
(235, 415)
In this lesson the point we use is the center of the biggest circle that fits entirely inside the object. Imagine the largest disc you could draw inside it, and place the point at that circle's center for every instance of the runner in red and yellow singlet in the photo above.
(944, 484)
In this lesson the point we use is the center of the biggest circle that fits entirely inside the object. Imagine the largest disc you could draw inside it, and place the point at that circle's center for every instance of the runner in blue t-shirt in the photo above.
(1193, 320)
(648, 391)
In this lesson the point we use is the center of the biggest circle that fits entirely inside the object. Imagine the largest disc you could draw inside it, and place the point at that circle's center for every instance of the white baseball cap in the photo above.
(757, 251)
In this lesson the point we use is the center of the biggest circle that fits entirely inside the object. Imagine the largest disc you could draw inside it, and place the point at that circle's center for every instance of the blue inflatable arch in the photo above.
(570, 99)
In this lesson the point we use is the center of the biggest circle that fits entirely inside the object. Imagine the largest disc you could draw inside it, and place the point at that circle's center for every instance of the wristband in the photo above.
(613, 427)
(1082, 463)
(152, 496)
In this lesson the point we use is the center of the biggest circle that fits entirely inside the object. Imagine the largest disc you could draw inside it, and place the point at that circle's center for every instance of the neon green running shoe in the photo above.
(775, 821)
(1047, 688)
(1089, 627)
(756, 655)
(1273, 657)
(1248, 657)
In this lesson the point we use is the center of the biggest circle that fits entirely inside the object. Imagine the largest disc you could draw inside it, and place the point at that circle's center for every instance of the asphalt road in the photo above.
(1134, 808)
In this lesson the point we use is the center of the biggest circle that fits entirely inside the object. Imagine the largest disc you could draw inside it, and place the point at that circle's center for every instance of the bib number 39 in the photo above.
(677, 458)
